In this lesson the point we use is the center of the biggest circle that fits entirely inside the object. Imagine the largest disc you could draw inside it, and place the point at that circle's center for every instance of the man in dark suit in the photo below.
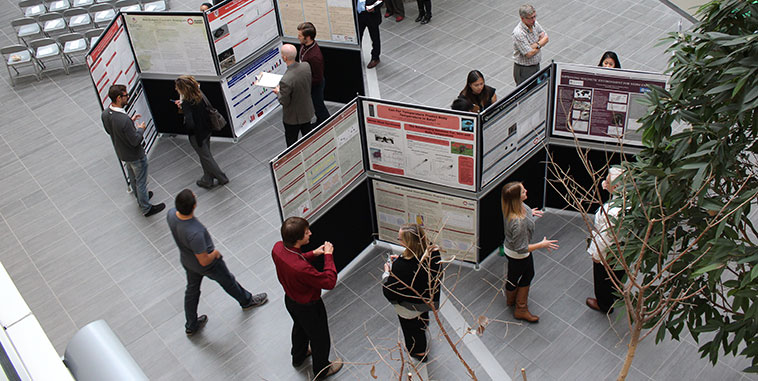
(294, 92)
(370, 17)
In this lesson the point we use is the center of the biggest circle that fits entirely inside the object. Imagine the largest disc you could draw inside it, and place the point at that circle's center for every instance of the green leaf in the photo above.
(708, 268)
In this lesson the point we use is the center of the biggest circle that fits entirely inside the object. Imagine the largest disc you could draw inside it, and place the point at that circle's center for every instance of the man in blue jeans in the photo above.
(200, 258)
(127, 141)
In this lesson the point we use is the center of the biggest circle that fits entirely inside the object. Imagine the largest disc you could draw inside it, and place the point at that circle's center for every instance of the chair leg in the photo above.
(65, 65)
(13, 83)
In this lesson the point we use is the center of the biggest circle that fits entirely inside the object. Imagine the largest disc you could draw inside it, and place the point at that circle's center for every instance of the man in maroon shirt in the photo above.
(310, 52)
(302, 285)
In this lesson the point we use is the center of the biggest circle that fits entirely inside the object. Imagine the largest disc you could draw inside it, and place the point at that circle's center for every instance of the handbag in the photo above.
(217, 120)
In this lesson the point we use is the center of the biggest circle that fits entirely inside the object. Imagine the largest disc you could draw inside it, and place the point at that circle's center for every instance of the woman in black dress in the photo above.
(481, 95)
(192, 102)
(412, 285)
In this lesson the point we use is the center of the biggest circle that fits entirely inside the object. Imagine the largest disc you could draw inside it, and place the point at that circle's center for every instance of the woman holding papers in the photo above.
(412, 286)
(481, 95)
(197, 122)
(519, 227)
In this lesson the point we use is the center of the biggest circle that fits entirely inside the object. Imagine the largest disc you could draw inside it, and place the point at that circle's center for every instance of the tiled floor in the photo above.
(78, 249)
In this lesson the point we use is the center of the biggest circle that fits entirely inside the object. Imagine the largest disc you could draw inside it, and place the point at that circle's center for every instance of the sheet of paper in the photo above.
(269, 80)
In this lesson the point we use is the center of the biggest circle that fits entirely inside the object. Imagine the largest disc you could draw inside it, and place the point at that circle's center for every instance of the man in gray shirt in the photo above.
(127, 140)
(200, 258)
(294, 94)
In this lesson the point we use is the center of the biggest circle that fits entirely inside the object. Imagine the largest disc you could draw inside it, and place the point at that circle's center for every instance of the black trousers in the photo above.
(292, 131)
(218, 272)
(310, 326)
(425, 8)
(520, 272)
(371, 20)
(317, 96)
(604, 291)
(414, 331)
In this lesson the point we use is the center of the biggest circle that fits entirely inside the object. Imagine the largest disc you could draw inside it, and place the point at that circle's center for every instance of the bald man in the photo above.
(294, 93)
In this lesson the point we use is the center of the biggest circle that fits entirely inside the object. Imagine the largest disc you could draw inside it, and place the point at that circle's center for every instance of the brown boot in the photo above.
(510, 297)
(522, 311)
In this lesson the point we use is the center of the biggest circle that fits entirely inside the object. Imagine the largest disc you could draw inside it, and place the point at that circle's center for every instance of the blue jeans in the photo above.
(218, 272)
(137, 171)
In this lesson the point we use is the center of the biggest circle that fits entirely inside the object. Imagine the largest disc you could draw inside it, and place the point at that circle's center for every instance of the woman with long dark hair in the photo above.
(477, 92)
(519, 227)
(412, 285)
(198, 124)
(610, 60)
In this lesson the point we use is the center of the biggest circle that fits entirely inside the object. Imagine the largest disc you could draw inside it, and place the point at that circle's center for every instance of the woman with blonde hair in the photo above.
(412, 285)
(198, 124)
(519, 227)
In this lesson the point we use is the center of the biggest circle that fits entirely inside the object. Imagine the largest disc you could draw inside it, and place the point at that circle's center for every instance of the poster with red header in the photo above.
(424, 144)
(239, 28)
(111, 61)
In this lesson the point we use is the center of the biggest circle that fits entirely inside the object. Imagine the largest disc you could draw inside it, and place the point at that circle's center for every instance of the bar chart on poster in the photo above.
(334, 19)
(171, 43)
(321, 166)
(449, 221)
(433, 145)
(111, 61)
(601, 104)
(239, 28)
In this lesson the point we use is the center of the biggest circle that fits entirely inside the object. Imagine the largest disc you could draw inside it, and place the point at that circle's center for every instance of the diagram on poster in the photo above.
(111, 61)
(247, 103)
(334, 19)
(320, 167)
(452, 220)
(432, 146)
(239, 28)
(514, 127)
(171, 43)
(601, 104)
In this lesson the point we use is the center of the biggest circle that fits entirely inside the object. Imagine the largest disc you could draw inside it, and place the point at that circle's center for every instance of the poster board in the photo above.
(171, 43)
(138, 105)
(601, 104)
(247, 103)
(427, 144)
(111, 61)
(240, 28)
(452, 220)
(515, 126)
(334, 19)
(319, 168)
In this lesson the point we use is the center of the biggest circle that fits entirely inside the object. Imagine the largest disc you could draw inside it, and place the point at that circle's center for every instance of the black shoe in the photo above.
(201, 320)
(149, 195)
(223, 182)
(426, 20)
(155, 209)
(297, 364)
(372, 64)
(203, 184)
(419, 18)
(256, 300)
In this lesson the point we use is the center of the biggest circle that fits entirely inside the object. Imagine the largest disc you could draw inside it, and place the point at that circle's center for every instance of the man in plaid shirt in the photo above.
(528, 40)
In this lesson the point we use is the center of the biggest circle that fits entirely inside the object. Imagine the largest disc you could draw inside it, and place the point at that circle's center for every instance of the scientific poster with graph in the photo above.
(449, 221)
(601, 104)
(111, 61)
(334, 19)
(248, 104)
(321, 167)
(433, 145)
(239, 28)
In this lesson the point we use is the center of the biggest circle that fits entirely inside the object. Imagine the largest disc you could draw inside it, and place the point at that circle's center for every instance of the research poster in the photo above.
(449, 221)
(334, 19)
(420, 144)
(248, 103)
(171, 44)
(239, 28)
(111, 61)
(600, 104)
(138, 105)
(515, 127)
(319, 168)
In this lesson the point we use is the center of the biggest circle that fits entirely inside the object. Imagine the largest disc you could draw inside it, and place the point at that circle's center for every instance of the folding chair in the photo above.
(77, 18)
(47, 49)
(26, 28)
(102, 14)
(74, 44)
(128, 5)
(155, 6)
(17, 56)
(52, 23)
(93, 35)
(32, 8)
(82, 3)
(57, 5)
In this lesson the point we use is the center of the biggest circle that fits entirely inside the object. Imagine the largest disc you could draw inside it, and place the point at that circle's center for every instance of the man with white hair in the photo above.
(294, 93)
(601, 239)
(528, 40)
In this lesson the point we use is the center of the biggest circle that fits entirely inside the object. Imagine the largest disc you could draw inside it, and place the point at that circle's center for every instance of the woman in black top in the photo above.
(198, 124)
(481, 95)
(412, 285)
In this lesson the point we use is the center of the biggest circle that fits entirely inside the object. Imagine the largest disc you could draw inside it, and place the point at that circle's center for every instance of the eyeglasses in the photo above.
(125, 95)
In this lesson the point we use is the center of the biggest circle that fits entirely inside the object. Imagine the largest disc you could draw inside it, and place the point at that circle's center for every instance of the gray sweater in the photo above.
(127, 139)
(518, 232)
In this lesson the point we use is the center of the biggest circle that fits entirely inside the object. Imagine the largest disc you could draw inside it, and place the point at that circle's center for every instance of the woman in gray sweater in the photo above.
(519, 227)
